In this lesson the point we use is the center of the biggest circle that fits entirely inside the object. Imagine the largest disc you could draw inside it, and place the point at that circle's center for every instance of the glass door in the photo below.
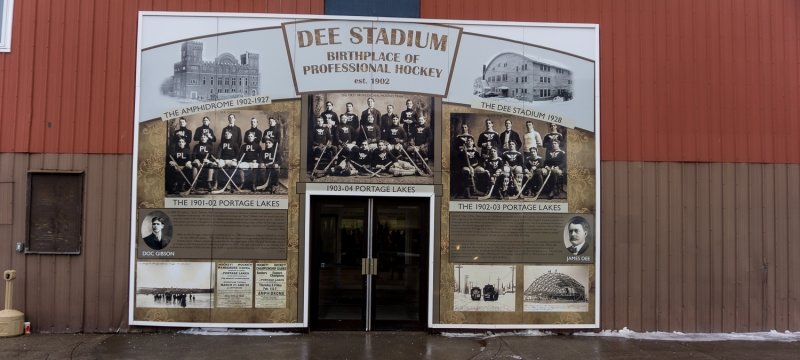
(369, 263)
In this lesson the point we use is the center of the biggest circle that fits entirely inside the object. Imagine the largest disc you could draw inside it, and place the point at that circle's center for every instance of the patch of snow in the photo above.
(489, 334)
(772, 335)
(233, 332)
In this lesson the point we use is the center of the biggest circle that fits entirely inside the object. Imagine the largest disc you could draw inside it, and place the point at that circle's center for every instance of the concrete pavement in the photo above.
(378, 345)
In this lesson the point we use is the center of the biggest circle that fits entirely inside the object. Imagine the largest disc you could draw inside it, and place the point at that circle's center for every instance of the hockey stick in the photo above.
(272, 162)
(226, 173)
(412, 162)
(333, 160)
(372, 173)
(324, 150)
(543, 184)
(423, 160)
(179, 169)
(471, 169)
(523, 187)
(199, 172)
(489, 194)
(220, 191)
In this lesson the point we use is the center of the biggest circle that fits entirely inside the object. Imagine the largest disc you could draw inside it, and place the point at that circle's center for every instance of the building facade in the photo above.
(225, 77)
(520, 77)
(699, 174)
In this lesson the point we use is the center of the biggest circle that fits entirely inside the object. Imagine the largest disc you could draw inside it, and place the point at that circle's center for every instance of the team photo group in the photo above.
(213, 157)
(352, 139)
(491, 160)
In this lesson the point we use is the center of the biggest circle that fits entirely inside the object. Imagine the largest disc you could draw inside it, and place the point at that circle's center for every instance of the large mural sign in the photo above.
(238, 114)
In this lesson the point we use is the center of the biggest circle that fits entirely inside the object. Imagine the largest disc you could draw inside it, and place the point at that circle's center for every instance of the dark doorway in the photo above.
(369, 263)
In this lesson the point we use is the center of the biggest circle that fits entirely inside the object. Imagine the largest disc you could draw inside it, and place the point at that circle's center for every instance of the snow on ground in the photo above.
(774, 335)
(463, 302)
(234, 332)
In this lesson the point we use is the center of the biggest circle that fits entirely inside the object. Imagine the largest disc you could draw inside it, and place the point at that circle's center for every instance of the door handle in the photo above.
(369, 266)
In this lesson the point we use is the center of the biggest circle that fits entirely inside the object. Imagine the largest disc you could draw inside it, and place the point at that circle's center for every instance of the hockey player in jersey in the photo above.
(345, 139)
(513, 161)
(270, 167)
(553, 136)
(227, 157)
(250, 153)
(180, 166)
(202, 162)
(344, 164)
(462, 137)
(408, 117)
(275, 133)
(421, 138)
(320, 140)
(361, 158)
(384, 161)
(533, 172)
(181, 132)
(331, 120)
(350, 118)
(493, 168)
(469, 158)
(396, 136)
(555, 164)
(370, 132)
(371, 110)
(205, 129)
(254, 129)
(488, 139)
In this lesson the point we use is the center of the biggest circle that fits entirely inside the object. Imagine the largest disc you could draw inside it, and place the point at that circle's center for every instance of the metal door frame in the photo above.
(428, 192)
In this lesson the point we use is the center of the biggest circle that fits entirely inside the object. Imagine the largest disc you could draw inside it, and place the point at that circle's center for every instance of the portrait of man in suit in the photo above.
(158, 238)
(578, 235)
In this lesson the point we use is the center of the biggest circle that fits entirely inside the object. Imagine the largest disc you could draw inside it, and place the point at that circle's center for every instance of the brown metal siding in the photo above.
(72, 293)
(67, 86)
(698, 247)
(685, 80)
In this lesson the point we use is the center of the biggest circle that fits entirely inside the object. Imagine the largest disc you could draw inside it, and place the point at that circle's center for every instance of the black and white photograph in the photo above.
(578, 236)
(198, 75)
(358, 137)
(227, 152)
(156, 230)
(524, 77)
(484, 287)
(177, 285)
(556, 288)
(208, 69)
(496, 157)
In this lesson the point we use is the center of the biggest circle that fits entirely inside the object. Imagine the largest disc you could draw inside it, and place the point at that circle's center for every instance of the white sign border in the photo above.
(304, 321)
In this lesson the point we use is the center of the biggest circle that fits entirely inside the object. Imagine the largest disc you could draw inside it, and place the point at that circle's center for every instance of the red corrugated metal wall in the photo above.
(67, 86)
(681, 80)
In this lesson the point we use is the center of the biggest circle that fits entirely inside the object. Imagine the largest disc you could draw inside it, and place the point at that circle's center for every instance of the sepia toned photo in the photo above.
(174, 284)
(370, 137)
(484, 288)
(497, 157)
(556, 288)
(235, 152)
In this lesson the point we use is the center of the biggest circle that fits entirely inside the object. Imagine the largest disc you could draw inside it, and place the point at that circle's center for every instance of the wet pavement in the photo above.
(379, 345)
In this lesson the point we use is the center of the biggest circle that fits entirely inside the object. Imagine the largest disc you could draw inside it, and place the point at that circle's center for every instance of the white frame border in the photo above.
(8, 22)
(304, 322)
